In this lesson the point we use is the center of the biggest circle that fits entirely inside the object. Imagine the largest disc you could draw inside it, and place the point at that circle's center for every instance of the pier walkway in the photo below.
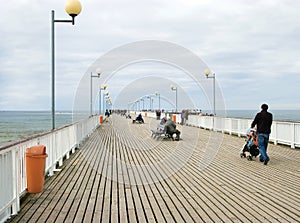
(122, 174)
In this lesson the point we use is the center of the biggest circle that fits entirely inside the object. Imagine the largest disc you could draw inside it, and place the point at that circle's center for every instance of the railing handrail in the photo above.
(40, 134)
(283, 132)
(59, 144)
(65, 139)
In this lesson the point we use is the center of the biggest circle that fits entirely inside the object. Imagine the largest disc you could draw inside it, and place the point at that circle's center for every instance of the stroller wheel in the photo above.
(242, 155)
(249, 158)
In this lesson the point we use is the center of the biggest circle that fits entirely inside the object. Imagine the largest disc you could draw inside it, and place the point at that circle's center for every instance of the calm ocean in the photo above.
(19, 124)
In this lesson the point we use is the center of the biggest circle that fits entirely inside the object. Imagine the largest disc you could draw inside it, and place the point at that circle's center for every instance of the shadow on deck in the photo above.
(121, 174)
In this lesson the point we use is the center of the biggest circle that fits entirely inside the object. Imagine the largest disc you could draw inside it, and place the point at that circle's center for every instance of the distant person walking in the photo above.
(185, 116)
(263, 121)
(182, 117)
(158, 114)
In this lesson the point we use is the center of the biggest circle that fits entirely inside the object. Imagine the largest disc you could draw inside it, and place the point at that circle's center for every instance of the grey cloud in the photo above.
(249, 46)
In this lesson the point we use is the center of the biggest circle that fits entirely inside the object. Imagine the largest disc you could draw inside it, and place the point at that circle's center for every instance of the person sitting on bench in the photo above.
(139, 119)
(163, 121)
(171, 129)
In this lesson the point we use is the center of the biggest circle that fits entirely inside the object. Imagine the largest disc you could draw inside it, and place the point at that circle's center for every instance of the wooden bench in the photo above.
(161, 133)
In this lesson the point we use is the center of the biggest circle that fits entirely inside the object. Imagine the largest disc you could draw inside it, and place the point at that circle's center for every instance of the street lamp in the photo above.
(173, 88)
(73, 8)
(150, 107)
(98, 71)
(104, 86)
(142, 99)
(138, 105)
(157, 93)
(109, 102)
(207, 72)
(105, 94)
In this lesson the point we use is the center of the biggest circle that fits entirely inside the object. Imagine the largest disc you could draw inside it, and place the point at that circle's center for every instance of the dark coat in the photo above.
(171, 126)
(263, 121)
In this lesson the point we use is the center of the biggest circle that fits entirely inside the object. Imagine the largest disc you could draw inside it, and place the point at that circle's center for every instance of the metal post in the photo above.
(158, 94)
(103, 104)
(173, 88)
(52, 71)
(176, 100)
(214, 77)
(159, 101)
(100, 101)
(53, 20)
(207, 73)
(91, 103)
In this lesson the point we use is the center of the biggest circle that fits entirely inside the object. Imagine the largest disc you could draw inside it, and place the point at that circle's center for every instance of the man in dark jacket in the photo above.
(139, 118)
(171, 129)
(263, 121)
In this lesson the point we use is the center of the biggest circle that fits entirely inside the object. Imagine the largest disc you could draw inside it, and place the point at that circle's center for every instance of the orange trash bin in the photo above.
(35, 168)
(101, 119)
(174, 118)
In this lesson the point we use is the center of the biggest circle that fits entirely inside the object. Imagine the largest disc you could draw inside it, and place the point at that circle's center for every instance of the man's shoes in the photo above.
(176, 139)
(266, 161)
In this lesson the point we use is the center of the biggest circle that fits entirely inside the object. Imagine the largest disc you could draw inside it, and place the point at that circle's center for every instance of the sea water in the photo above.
(19, 124)
(16, 125)
(278, 115)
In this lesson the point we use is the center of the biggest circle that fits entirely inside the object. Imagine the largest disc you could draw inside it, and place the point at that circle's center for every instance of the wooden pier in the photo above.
(122, 174)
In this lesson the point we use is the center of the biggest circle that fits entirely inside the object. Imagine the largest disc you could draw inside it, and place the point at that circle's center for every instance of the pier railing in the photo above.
(59, 144)
(63, 141)
(286, 133)
(282, 132)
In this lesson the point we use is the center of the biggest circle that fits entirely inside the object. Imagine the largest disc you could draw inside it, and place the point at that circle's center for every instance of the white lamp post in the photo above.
(158, 94)
(92, 76)
(138, 102)
(173, 88)
(106, 94)
(142, 99)
(207, 72)
(108, 102)
(73, 8)
(104, 86)
(150, 107)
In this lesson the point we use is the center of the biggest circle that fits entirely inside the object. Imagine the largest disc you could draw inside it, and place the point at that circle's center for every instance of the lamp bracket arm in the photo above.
(63, 20)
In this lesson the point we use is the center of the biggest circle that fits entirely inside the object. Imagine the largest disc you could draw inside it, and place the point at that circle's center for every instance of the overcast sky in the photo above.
(252, 46)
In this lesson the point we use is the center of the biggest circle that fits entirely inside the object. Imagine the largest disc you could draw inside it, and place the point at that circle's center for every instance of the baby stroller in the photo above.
(250, 150)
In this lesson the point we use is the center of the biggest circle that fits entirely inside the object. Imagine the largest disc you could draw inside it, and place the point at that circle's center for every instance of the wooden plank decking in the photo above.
(121, 174)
